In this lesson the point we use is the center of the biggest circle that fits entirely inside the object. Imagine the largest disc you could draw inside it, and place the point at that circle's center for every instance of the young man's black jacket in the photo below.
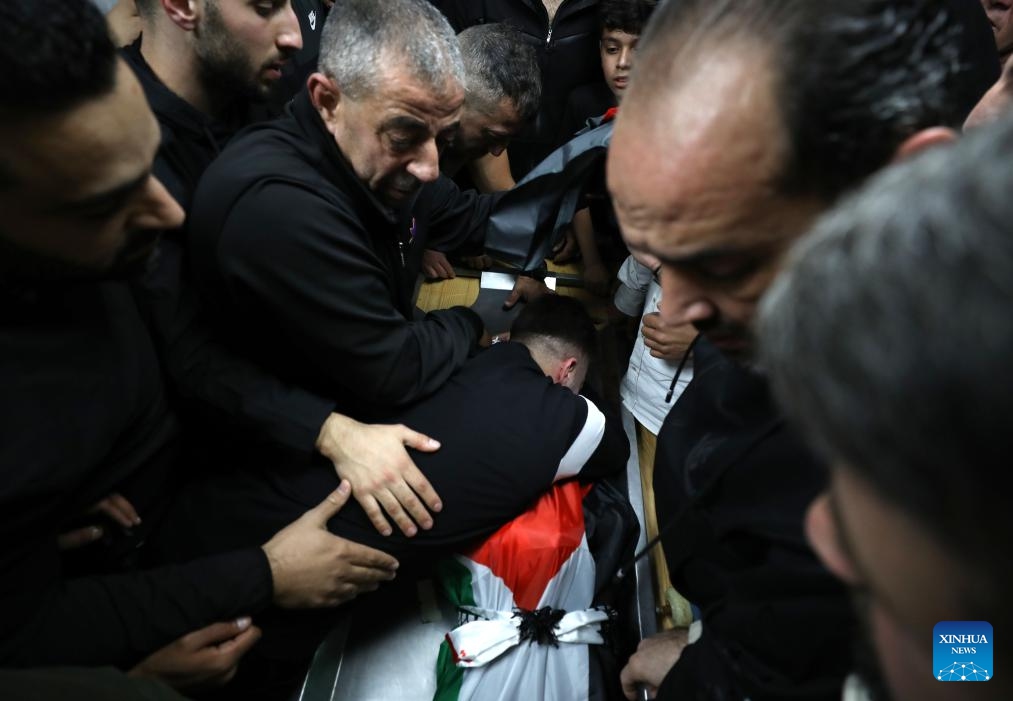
(733, 483)
(507, 434)
(210, 378)
(83, 415)
(313, 277)
(190, 138)
(567, 55)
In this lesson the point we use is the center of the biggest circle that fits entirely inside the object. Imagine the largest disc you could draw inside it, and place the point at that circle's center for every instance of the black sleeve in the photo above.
(118, 619)
(325, 290)
(459, 217)
(209, 374)
(761, 643)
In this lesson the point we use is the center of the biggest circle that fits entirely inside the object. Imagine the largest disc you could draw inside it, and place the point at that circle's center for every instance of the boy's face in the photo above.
(617, 51)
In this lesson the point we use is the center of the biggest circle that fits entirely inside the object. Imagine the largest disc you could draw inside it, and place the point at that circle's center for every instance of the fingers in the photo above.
(445, 269)
(116, 507)
(375, 514)
(79, 538)
(393, 508)
(323, 512)
(363, 556)
(365, 578)
(421, 486)
(237, 646)
(512, 299)
(225, 657)
(216, 633)
(436, 265)
(411, 503)
(629, 683)
(418, 441)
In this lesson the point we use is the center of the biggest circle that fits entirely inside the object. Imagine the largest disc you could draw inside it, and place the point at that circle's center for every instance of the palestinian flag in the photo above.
(526, 593)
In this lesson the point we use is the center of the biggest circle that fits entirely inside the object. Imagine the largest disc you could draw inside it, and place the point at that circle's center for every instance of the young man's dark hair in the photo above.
(45, 80)
(889, 339)
(555, 319)
(628, 16)
(498, 64)
(856, 78)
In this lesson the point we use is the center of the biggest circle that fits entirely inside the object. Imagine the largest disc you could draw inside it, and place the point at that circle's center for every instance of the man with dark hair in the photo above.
(565, 35)
(513, 423)
(908, 402)
(745, 120)
(307, 233)
(502, 92)
(84, 410)
(201, 64)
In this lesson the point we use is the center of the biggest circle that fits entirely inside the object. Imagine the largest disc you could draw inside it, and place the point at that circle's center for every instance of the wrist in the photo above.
(332, 434)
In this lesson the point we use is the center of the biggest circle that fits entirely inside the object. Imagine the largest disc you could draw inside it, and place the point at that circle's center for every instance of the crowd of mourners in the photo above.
(224, 423)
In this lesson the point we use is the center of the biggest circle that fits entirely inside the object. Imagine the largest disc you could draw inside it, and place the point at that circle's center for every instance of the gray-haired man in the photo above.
(308, 232)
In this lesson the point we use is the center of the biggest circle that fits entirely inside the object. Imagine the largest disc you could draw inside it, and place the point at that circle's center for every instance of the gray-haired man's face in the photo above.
(393, 136)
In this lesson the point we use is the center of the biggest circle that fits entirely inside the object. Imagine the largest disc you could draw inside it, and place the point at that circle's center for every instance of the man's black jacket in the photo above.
(567, 55)
(505, 429)
(313, 277)
(84, 414)
(732, 484)
(212, 379)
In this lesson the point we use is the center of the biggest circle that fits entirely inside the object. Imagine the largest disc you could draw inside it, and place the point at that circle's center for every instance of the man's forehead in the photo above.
(91, 148)
(503, 120)
(703, 151)
(401, 83)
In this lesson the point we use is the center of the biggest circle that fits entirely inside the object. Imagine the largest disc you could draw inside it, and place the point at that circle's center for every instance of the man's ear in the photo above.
(183, 13)
(821, 532)
(922, 140)
(325, 96)
(564, 370)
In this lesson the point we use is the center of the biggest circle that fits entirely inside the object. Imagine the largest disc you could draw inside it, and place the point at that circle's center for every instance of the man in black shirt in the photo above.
(307, 233)
(206, 69)
(565, 35)
(514, 424)
(83, 406)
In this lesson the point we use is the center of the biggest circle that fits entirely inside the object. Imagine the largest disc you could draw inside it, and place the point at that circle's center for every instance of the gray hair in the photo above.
(499, 64)
(889, 338)
(362, 38)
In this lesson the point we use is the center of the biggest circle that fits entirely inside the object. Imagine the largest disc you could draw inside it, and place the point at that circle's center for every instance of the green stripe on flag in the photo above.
(449, 676)
(456, 581)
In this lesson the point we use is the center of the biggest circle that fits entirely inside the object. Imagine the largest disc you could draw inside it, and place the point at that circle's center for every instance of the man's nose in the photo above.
(682, 301)
(289, 39)
(426, 165)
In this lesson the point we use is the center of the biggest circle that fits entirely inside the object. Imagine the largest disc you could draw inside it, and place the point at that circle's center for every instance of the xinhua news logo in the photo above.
(962, 651)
